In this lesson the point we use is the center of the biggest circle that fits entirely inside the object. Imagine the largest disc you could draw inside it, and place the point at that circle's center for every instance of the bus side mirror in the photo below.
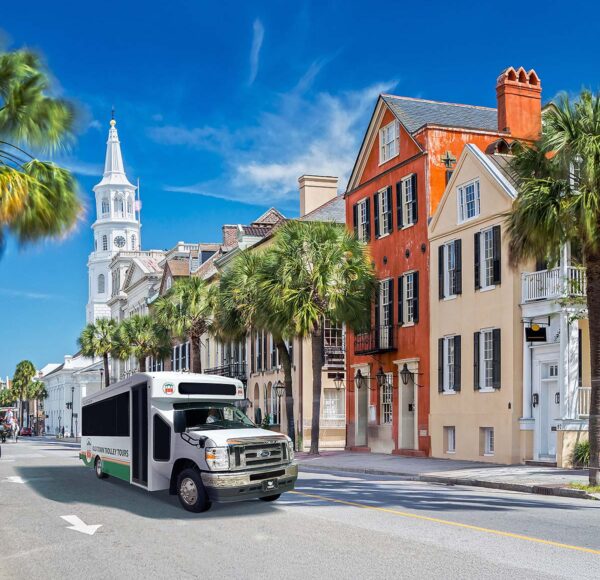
(179, 421)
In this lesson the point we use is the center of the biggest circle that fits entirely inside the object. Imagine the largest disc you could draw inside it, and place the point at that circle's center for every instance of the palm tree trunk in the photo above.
(195, 347)
(593, 304)
(317, 367)
(286, 363)
(106, 371)
(142, 364)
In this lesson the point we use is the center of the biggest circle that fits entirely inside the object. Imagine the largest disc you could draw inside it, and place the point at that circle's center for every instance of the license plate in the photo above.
(270, 484)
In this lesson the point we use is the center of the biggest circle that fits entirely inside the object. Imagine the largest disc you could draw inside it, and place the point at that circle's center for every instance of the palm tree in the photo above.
(24, 372)
(99, 339)
(322, 271)
(559, 204)
(36, 392)
(185, 311)
(37, 198)
(241, 307)
(141, 337)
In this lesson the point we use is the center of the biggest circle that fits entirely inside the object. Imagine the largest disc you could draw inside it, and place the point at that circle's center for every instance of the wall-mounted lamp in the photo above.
(407, 253)
(557, 398)
(381, 378)
(338, 381)
(535, 399)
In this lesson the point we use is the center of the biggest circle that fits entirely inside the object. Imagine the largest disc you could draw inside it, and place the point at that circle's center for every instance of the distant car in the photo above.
(25, 432)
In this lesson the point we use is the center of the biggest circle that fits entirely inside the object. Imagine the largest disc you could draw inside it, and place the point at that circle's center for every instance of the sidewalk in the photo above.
(524, 478)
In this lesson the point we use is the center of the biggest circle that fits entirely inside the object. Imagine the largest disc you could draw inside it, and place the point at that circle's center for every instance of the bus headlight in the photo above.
(290, 450)
(217, 458)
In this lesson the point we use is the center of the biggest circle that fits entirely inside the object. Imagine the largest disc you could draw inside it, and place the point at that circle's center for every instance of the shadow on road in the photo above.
(418, 496)
(77, 484)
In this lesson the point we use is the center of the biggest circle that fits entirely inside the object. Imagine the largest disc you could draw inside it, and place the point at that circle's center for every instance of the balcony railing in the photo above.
(236, 370)
(548, 284)
(335, 357)
(378, 339)
(583, 402)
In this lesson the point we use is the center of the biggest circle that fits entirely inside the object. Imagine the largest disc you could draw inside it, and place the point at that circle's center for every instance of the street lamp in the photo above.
(359, 380)
(338, 381)
(381, 378)
(279, 389)
(407, 376)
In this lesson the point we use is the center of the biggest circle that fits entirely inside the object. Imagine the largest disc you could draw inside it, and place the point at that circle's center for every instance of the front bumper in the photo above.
(236, 486)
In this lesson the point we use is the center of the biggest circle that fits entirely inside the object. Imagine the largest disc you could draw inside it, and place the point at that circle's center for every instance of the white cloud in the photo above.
(319, 136)
(258, 35)
(95, 124)
(29, 295)
(81, 167)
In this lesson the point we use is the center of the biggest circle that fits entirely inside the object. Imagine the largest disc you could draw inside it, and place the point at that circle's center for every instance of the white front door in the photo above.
(408, 410)
(362, 414)
(549, 409)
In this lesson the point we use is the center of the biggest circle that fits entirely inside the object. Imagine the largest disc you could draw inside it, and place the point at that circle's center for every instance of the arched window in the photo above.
(105, 207)
(129, 206)
(133, 241)
(119, 206)
(101, 288)
(105, 243)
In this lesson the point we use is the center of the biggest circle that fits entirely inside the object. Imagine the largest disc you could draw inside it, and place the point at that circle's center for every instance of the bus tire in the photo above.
(270, 497)
(191, 492)
(98, 469)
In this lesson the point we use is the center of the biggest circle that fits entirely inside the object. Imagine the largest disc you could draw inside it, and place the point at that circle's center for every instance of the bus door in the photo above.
(139, 435)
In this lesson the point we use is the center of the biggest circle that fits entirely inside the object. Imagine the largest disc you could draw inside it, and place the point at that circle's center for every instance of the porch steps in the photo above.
(540, 463)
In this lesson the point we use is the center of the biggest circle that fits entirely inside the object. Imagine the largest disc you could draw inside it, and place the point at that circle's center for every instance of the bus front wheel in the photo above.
(191, 492)
(98, 469)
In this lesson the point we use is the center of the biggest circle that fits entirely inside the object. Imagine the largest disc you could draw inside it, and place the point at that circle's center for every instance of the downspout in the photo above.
(301, 398)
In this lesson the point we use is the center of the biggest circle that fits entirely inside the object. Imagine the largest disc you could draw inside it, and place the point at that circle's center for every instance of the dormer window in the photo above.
(389, 141)
(468, 201)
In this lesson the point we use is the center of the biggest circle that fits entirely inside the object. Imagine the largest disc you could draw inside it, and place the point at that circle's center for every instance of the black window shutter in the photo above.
(415, 204)
(476, 361)
(441, 272)
(441, 365)
(377, 300)
(399, 204)
(390, 206)
(391, 304)
(368, 212)
(457, 363)
(476, 264)
(497, 257)
(416, 297)
(496, 361)
(458, 264)
(400, 299)
(355, 218)
(376, 215)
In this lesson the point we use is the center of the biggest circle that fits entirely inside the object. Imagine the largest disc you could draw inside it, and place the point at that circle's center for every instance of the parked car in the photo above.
(25, 432)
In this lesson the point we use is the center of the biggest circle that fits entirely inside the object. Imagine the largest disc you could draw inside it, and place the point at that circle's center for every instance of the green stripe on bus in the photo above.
(115, 469)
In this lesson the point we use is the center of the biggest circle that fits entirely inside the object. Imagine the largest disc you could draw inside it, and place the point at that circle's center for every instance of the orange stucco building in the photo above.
(406, 158)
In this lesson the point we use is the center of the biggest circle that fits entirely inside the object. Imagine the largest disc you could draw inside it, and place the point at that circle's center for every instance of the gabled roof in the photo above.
(496, 166)
(332, 211)
(179, 267)
(271, 216)
(414, 113)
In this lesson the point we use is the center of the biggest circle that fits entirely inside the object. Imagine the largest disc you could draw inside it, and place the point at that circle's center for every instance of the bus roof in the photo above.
(173, 386)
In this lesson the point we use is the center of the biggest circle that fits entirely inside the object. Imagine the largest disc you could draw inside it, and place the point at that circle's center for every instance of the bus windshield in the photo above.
(211, 415)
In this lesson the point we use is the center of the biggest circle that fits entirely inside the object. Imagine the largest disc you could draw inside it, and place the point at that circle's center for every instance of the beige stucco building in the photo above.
(476, 332)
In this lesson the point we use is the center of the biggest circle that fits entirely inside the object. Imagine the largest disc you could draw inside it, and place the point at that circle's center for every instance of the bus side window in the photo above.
(162, 439)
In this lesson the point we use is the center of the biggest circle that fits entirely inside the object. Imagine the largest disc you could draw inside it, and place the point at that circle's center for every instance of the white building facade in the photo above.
(117, 227)
(66, 385)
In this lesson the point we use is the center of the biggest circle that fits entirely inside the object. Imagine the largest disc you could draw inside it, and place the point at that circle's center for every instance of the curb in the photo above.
(552, 490)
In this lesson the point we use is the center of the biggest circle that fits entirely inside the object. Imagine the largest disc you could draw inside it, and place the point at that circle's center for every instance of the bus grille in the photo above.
(254, 454)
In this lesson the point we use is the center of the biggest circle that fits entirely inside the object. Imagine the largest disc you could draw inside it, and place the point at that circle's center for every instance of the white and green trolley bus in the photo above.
(185, 433)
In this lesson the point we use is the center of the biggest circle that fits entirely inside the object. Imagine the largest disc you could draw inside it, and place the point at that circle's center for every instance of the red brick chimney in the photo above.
(519, 95)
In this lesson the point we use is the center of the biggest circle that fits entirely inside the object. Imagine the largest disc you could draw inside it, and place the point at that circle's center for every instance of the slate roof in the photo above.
(332, 211)
(414, 113)
(257, 231)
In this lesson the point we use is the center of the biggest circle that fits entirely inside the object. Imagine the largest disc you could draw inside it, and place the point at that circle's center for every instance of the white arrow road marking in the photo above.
(79, 526)
(15, 479)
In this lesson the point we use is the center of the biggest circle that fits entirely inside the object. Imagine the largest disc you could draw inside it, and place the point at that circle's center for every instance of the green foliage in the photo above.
(266, 422)
(36, 391)
(141, 337)
(99, 339)
(7, 398)
(581, 454)
(37, 198)
(584, 487)
(24, 373)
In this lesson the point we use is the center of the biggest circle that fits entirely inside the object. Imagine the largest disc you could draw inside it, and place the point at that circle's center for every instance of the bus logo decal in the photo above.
(168, 388)
(88, 450)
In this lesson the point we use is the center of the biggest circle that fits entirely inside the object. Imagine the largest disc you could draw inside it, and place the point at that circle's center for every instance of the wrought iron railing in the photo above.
(377, 339)
(235, 370)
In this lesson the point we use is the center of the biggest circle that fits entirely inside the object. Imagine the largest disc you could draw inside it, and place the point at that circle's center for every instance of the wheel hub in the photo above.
(188, 491)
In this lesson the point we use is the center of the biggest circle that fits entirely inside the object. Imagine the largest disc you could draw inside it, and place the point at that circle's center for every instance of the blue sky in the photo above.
(221, 106)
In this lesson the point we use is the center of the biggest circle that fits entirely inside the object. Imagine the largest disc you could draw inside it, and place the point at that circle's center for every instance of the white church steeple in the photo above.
(117, 226)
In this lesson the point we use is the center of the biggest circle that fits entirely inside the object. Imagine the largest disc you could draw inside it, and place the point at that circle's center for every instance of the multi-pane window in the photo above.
(487, 258)
(486, 351)
(468, 201)
(449, 364)
(409, 284)
(129, 206)
(487, 434)
(154, 365)
(406, 199)
(105, 243)
(333, 341)
(389, 141)
(450, 439)
(408, 298)
(386, 399)
(362, 220)
(385, 313)
(383, 212)
(180, 357)
(105, 207)
(334, 402)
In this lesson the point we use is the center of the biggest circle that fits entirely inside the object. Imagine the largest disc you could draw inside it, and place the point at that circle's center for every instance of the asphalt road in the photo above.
(334, 526)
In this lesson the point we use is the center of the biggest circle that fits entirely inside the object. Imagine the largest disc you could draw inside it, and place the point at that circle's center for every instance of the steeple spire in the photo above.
(114, 171)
